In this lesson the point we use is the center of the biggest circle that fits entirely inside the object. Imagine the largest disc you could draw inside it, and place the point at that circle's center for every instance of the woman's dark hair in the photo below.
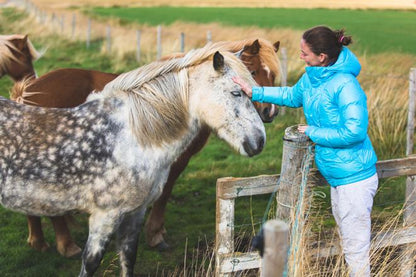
(322, 39)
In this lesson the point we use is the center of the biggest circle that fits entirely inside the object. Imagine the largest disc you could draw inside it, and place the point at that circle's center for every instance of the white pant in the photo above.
(351, 207)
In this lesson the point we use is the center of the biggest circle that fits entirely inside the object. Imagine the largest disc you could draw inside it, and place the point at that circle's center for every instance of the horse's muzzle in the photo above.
(254, 147)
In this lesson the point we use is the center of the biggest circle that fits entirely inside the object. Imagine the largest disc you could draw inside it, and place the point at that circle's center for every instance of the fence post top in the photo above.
(292, 134)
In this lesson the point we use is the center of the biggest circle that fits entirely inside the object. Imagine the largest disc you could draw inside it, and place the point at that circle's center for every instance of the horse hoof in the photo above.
(71, 250)
(41, 246)
(162, 246)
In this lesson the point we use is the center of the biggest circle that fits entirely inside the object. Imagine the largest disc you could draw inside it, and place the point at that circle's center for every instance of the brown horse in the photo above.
(70, 87)
(16, 57)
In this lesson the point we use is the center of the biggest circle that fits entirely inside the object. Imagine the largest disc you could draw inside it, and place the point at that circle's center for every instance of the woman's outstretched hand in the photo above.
(244, 86)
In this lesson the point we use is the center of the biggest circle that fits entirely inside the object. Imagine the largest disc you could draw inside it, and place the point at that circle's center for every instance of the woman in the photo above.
(336, 113)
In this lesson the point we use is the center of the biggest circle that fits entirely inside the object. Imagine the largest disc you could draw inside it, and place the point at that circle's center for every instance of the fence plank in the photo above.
(238, 261)
(233, 187)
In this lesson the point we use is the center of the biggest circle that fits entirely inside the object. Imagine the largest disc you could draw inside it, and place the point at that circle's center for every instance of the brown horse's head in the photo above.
(17, 54)
(261, 60)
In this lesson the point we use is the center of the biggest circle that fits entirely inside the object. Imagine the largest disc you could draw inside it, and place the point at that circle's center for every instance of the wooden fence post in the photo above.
(182, 42)
(295, 147)
(108, 39)
(74, 22)
(276, 242)
(409, 216)
(159, 42)
(88, 33)
(209, 36)
(224, 241)
(138, 37)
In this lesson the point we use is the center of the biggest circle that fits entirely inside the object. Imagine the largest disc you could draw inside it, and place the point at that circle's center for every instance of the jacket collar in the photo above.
(347, 62)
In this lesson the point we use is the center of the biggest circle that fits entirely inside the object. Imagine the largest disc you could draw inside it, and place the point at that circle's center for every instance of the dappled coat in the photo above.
(335, 107)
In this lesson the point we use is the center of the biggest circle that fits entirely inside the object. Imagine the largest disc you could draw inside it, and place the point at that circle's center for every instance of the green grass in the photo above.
(375, 31)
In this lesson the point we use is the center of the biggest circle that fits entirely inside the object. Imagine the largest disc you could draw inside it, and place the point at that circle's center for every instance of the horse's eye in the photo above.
(253, 73)
(236, 92)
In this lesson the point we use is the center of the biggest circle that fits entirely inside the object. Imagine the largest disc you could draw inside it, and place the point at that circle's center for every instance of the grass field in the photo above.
(397, 26)
(351, 4)
(191, 210)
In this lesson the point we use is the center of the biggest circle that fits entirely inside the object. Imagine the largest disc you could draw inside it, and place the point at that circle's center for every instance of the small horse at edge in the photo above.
(17, 55)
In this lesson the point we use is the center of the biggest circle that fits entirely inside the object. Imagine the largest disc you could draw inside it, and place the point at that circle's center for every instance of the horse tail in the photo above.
(19, 92)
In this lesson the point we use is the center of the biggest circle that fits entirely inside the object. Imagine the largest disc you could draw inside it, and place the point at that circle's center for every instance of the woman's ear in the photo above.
(323, 58)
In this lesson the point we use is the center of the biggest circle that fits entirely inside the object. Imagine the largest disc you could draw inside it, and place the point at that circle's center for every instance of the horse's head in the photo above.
(261, 60)
(220, 103)
(22, 54)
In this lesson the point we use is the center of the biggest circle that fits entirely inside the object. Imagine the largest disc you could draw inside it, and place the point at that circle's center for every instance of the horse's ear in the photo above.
(25, 38)
(276, 46)
(218, 61)
(253, 49)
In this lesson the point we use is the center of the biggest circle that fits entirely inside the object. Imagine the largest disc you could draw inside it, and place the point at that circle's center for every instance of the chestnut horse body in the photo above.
(16, 57)
(70, 88)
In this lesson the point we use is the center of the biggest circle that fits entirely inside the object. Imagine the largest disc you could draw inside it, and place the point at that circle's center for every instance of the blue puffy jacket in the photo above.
(335, 108)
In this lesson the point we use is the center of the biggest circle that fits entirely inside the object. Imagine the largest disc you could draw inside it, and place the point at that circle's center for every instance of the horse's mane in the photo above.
(158, 95)
(6, 47)
(267, 53)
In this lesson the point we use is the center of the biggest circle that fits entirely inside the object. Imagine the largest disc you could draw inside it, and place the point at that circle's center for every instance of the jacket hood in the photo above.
(347, 62)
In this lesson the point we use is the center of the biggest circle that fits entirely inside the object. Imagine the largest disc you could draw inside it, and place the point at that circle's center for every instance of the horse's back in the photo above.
(65, 88)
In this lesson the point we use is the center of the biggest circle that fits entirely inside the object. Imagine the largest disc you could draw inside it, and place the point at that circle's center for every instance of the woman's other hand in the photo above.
(244, 86)
(302, 128)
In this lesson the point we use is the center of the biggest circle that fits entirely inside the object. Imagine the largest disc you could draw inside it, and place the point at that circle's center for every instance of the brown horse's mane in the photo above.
(152, 88)
(6, 47)
(267, 53)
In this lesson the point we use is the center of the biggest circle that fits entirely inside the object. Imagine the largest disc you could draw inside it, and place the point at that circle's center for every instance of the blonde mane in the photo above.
(158, 95)
(267, 53)
(6, 47)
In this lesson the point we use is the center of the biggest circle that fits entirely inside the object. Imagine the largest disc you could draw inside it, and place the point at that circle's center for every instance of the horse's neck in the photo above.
(176, 148)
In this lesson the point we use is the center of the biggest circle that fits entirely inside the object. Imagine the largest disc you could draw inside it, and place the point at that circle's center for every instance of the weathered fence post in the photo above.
(209, 36)
(409, 216)
(295, 147)
(88, 33)
(138, 37)
(224, 231)
(276, 242)
(74, 22)
(62, 23)
(108, 39)
(182, 42)
(159, 42)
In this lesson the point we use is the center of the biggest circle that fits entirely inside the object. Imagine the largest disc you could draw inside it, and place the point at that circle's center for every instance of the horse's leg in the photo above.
(101, 227)
(155, 223)
(36, 240)
(127, 240)
(64, 243)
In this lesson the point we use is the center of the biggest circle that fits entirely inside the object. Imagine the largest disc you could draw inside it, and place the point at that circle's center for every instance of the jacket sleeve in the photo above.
(352, 104)
(282, 96)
